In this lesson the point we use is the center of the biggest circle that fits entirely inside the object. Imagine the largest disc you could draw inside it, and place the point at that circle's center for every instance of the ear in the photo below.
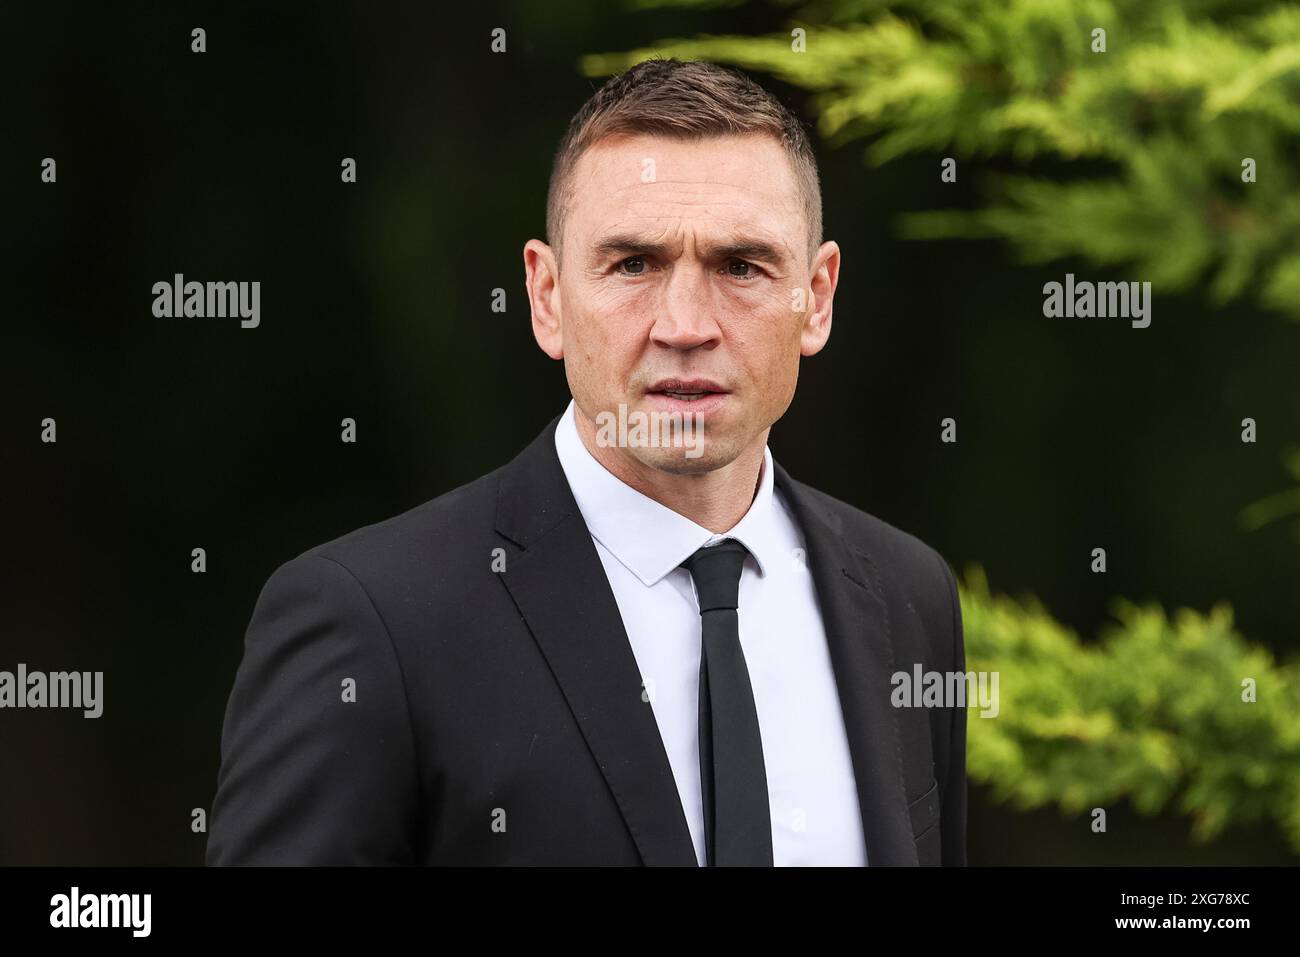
(821, 294)
(542, 277)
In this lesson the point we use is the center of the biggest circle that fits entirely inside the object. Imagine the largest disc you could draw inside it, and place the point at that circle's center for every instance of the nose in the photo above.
(685, 316)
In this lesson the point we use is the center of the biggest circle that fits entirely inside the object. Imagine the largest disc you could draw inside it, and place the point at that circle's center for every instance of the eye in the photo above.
(633, 266)
(742, 269)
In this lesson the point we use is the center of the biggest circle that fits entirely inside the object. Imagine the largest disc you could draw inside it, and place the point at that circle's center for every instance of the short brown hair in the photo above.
(687, 100)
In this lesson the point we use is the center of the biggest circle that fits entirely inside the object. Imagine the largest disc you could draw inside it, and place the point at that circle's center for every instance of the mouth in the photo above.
(687, 390)
(694, 397)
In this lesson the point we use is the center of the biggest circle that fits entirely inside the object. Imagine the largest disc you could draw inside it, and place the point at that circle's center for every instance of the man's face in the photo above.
(685, 287)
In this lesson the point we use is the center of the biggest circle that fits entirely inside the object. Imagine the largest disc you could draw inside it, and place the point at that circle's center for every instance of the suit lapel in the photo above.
(857, 632)
(559, 585)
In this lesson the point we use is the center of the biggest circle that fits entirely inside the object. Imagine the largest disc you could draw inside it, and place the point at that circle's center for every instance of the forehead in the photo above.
(719, 183)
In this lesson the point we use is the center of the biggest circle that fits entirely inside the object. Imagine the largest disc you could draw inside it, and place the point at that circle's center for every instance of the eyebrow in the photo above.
(752, 249)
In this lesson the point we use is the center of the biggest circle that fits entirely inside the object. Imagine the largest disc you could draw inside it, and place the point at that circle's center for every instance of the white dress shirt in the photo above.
(810, 783)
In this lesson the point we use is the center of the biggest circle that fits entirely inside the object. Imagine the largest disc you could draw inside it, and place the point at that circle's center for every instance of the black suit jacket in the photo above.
(498, 714)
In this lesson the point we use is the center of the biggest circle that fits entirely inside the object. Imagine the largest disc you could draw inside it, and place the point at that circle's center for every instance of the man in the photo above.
(617, 650)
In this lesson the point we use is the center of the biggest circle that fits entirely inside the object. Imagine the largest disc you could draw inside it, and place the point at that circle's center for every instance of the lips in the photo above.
(694, 397)
(687, 390)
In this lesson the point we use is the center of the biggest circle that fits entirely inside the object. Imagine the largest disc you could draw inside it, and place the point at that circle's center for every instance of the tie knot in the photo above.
(716, 571)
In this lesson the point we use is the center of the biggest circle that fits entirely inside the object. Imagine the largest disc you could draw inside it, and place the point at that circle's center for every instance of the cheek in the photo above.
(609, 332)
(766, 332)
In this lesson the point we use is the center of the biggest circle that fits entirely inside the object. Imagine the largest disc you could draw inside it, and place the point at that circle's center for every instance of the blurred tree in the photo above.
(1281, 505)
(1156, 713)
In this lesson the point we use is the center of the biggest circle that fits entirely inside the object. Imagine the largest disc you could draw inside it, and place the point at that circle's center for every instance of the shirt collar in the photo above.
(649, 538)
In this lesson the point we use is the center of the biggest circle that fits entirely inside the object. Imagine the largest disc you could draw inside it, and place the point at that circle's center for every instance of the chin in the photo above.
(676, 461)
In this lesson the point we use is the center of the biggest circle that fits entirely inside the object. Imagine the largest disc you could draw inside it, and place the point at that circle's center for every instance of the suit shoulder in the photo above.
(428, 536)
(890, 547)
(916, 580)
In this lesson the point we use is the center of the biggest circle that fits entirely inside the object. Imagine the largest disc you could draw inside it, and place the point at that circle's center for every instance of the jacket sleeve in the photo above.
(317, 755)
(952, 813)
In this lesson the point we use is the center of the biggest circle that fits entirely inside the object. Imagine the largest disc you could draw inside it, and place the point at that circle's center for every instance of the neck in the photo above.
(716, 500)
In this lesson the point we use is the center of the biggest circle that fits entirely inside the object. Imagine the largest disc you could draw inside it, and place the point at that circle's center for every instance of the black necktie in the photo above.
(733, 780)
